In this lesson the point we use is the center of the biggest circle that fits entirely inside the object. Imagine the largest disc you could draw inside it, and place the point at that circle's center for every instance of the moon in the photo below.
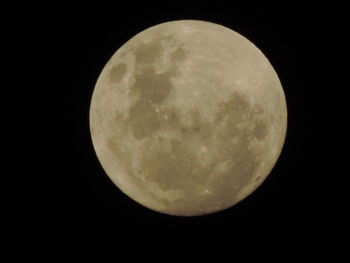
(188, 118)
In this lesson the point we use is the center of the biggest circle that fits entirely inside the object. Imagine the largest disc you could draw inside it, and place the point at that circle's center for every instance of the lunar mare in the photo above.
(188, 118)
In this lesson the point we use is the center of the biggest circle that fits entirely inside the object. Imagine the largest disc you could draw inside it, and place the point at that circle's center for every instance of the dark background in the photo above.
(67, 209)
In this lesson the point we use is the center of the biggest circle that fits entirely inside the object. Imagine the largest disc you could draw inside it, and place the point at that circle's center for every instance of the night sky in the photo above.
(68, 210)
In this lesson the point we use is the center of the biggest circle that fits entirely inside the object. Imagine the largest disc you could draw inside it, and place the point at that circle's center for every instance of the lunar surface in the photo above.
(188, 118)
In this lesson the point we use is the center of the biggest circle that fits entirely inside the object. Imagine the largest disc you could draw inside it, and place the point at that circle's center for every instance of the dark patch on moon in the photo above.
(178, 55)
(143, 120)
(148, 52)
(199, 127)
(233, 112)
(151, 86)
(170, 119)
(171, 167)
(117, 73)
(260, 129)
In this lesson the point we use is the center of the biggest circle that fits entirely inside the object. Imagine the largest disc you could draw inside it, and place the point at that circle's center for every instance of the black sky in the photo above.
(66, 208)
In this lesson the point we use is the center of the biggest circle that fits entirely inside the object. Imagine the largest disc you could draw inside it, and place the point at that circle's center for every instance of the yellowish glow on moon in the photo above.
(188, 118)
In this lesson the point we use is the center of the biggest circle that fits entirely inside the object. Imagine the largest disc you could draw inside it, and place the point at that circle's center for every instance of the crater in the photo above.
(117, 73)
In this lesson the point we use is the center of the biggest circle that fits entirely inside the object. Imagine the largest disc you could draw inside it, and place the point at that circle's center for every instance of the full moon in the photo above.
(188, 118)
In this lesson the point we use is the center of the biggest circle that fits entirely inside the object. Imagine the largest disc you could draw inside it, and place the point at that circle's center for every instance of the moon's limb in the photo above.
(188, 118)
